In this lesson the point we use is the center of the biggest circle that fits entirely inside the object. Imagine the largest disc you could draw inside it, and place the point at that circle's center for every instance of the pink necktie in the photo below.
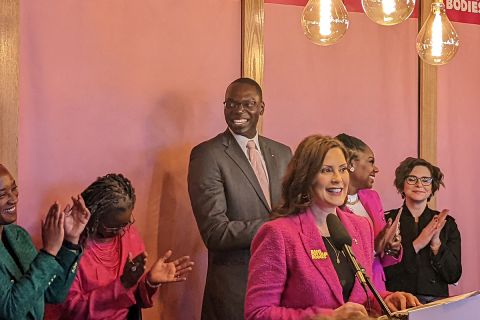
(256, 161)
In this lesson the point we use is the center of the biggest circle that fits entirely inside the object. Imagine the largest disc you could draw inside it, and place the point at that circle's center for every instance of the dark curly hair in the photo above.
(109, 193)
(297, 186)
(405, 168)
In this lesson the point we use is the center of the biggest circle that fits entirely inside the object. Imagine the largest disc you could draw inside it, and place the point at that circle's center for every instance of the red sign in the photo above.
(466, 11)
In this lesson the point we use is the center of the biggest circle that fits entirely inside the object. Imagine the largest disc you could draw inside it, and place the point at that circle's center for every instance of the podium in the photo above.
(461, 307)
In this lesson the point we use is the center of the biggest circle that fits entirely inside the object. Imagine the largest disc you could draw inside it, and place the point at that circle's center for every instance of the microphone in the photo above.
(343, 242)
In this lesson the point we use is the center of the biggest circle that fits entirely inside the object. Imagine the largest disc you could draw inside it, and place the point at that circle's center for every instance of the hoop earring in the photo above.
(351, 169)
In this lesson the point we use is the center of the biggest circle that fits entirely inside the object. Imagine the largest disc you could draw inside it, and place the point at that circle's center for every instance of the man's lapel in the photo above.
(232, 149)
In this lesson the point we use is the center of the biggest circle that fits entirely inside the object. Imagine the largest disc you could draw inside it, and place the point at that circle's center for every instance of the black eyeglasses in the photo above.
(249, 105)
(426, 181)
(120, 229)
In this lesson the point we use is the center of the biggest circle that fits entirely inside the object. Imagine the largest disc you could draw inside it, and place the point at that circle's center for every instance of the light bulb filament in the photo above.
(388, 6)
(437, 41)
(325, 17)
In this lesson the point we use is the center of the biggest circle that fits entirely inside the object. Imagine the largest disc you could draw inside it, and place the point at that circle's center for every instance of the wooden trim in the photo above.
(427, 145)
(9, 92)
(252, 42)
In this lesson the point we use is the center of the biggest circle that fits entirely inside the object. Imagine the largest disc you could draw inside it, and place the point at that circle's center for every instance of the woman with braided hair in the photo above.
(111, 282)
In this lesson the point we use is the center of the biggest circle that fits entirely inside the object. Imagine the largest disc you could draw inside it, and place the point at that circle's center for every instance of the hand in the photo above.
(133, 270)
(52, 229)
(441, 221)
(163, 271)
(350, 311)
(388, 238)
(426, 236)
(76, 218)
(401, 300)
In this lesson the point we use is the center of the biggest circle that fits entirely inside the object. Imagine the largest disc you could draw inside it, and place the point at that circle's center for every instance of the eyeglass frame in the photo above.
(119, 230)
(249, 105)
(423, 180)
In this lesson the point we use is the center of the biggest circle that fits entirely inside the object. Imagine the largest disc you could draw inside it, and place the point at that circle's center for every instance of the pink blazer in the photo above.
(289, 279)
(373, 205)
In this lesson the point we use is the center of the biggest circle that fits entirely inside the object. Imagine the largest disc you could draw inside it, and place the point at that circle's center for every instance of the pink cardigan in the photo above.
(290, 278)
(373, 205)
(97, 292)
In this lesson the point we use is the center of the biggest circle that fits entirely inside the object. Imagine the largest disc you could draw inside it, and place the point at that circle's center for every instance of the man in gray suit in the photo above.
(234, 180)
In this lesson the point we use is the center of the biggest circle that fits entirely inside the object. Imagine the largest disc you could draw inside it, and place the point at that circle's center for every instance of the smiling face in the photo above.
(418, 192)
(8, 197)
(331, 183)
(243, 120)
(365, 170)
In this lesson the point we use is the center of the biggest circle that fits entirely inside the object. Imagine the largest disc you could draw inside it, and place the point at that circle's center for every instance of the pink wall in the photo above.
(114, 86)
(459, 147)
(365, 85)
(129, 88)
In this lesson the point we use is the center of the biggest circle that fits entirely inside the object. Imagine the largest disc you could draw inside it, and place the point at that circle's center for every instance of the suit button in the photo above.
(433, 281)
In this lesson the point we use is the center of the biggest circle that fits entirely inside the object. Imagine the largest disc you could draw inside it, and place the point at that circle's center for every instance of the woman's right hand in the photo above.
(53, 230)
(133, 270)
(350, 311)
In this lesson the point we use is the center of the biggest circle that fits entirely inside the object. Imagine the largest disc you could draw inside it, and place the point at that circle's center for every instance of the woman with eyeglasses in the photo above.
(430, 239)
(111, 282)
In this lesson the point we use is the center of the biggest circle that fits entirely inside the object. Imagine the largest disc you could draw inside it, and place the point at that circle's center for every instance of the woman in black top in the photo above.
(430, 239)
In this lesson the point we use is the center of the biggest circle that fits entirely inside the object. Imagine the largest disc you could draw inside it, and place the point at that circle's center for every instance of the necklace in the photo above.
(337, 253)
(352, 199)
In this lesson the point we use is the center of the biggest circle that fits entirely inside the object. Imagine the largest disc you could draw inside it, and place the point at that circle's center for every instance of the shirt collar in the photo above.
(242, 140)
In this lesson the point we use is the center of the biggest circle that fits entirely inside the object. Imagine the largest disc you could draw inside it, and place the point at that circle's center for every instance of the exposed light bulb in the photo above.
(325, 21)
(388, 12)
(437, 41)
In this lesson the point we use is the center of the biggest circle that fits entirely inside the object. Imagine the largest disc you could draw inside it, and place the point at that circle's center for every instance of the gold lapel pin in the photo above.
(318, 254)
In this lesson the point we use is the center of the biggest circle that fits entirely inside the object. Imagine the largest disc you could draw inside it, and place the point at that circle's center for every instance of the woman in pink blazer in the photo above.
(295, 272)
(365, 202)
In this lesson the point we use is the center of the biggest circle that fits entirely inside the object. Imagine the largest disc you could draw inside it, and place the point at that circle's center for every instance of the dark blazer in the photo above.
(423, 273)
(30, 278)
(229, 207)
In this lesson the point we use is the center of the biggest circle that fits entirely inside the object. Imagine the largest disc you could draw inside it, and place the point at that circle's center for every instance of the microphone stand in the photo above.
(364, 279)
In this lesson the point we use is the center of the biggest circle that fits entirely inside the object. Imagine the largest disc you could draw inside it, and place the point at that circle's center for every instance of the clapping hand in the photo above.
(431, 232)
(76, 218)
(388, 240)
(164, 271)
(441, 221)
(53, 230)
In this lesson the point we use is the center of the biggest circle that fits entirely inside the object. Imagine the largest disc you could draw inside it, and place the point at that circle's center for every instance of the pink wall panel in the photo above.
(459, 147)
(365, 85)
(114, 86)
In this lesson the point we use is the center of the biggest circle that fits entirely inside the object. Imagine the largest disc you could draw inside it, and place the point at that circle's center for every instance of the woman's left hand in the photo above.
(76, 218)
(401, 300)
(163, 271)
(441, 221)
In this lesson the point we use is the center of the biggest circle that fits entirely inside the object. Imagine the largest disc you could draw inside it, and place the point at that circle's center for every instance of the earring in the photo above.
(352, 169)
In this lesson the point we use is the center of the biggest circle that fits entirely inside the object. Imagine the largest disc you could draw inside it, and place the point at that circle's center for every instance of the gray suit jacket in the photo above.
(229, 207)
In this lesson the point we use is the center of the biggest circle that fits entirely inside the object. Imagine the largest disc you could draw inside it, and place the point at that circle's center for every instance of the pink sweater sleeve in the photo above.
(100, 302)
(267, 277)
